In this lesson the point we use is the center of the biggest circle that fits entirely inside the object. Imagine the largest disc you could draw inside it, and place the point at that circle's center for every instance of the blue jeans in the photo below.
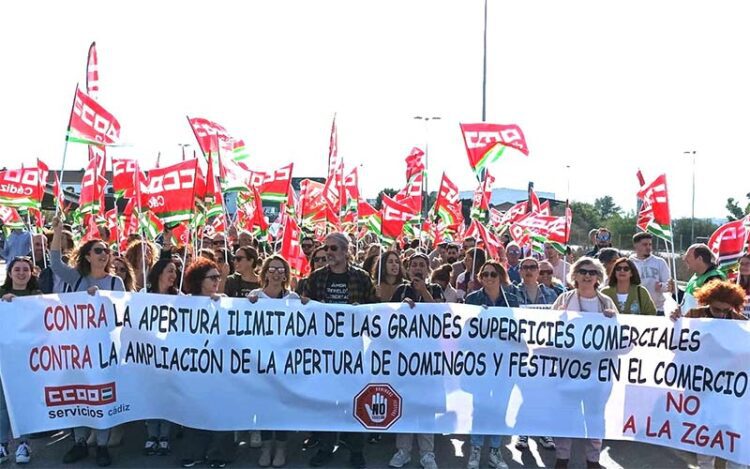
(478, 440)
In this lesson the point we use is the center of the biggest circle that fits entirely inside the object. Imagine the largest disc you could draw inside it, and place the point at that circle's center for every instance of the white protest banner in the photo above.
(102, 360)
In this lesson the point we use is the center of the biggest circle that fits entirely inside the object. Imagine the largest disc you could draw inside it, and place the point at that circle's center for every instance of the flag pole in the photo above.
(195, 253)
(31, 232)
(140, 222)
(65, 148)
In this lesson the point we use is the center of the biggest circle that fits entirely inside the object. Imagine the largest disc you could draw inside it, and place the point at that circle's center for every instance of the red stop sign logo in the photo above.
(377, 406)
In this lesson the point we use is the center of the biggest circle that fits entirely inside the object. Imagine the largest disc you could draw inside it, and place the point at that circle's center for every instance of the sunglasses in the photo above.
(332, 248)
(489, 273)
(319, 259)
(592, 273)
(724, 311)
(529, 267)
(545, 272)
(514, 252)
(98, 250)
(274, 270)
(215, 277)
(622, 268)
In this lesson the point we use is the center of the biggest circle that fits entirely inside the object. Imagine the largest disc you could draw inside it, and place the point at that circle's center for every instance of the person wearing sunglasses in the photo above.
(245, 278)
(215, 447)
(122, 268)
(514, 253)
(318, 260)
(603, 239)
(626, 291)
(546, 278)
(19, 281)
(339, 282)
(275, 274)
(530, 290)
(494, 280)
(90, 271)
(718, 299)
(585, 275)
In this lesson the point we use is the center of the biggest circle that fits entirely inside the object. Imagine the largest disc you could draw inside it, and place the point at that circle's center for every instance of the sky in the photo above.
(600, 89)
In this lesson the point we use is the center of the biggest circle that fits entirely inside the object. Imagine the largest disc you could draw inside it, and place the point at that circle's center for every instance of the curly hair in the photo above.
(635, 277)
(718, 290)
(196, 273)
(582, 262)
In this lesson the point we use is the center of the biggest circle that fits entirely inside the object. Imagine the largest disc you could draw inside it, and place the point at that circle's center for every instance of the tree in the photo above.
(735, 211)
(606, 207)
(585, 217)
(387, 191)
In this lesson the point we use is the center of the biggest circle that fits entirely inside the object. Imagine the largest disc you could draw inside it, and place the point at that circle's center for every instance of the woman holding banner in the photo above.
(161, 280)
(585, 275)
(388, 273)
(717, 300)
(493, 278)
(275, 277)
(91, 272)
(626, 291)
(19, 281)
(202, 279)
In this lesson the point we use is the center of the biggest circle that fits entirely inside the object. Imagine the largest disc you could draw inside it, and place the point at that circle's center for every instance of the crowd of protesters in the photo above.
(348, 272)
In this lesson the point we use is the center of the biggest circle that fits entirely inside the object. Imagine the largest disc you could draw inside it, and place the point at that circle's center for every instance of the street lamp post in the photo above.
(692, 211)
(183, 146)
(484, 67)
(426, 120)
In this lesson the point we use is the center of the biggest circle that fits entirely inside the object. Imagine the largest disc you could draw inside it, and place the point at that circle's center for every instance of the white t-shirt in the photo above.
(652, 270)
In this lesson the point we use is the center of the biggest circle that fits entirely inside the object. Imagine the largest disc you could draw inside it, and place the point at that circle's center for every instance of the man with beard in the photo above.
(339, 282)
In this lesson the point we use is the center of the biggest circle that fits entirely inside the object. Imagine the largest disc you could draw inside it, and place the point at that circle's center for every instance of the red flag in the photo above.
(92, 188)
(172, 190)
(447, 203)
(411, 194)
(311, 199)
(213, 137)
(90, 123)
(291, 249)
(515, 212)
(485, 143)
(333, 191)
(492, 245)
(124, 177)
(21, 187)
(10, 217)
(92, 72)
(729, 243)
(533, 205)
(275, 187)
(395, 215)
(552, 228)
(654, 215)
(415, 162)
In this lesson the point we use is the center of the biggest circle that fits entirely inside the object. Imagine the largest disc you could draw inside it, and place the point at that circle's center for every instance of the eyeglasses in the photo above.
(622, 268)
(99, 250)
(319, 259)
(530, 267)
(592, 273)
(514, 252)
(215, 277)
(716, 311)
(489, 273)
(545, 272)
(22, 258)
(331, 247)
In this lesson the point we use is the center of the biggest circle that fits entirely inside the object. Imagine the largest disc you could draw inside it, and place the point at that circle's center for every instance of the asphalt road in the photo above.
(451, 452)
